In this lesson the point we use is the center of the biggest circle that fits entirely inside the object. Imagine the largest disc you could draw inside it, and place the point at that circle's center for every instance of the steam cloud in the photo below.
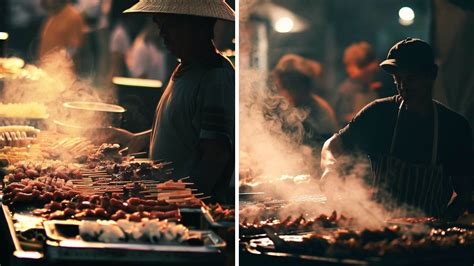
(268, 152)
(57, 83)
(264, 148)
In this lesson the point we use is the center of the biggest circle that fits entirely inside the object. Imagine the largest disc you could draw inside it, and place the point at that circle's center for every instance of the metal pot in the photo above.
(93, 114)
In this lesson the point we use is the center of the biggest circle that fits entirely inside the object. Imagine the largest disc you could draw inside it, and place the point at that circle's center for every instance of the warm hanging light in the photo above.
(3, 36)
(406, 16)
(284, 25)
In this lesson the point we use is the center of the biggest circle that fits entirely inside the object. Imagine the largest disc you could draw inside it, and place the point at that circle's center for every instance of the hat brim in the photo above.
(223, 11)
(390, 66)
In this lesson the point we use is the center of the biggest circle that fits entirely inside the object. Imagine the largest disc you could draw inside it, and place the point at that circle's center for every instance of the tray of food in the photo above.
(219, 216)
(23, 114)
(291, 225)
(393, 244)
(17, 136)
(25, 235)
(148, 240)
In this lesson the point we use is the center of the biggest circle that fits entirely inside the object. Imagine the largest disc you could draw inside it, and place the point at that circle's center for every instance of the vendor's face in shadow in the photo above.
(176, 32)
(415, 88)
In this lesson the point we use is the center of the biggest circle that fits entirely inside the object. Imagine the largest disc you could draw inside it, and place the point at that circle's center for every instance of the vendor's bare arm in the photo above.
(136, 142)
(332, 149)
(139, 141)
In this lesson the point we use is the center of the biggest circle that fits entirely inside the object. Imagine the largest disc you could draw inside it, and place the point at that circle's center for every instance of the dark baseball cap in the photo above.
(409, 55)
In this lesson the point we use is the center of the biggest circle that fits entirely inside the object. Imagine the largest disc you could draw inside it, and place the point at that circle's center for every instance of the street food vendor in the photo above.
(194, 120)
(420, 150)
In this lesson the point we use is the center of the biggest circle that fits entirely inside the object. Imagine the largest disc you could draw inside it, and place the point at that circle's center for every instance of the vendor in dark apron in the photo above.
(420, 150)
(414, 187)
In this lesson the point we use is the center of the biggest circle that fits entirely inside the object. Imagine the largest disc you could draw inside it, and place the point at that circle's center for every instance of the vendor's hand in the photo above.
(329, 163)
(112, 135)
(328, 174)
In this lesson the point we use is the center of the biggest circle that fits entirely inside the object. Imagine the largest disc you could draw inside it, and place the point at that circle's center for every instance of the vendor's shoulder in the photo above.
(454, 118)
(383, 104)
(219, 68)
(218, 63)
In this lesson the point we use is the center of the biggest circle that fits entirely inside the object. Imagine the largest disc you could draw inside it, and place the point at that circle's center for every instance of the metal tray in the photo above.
(249, 255)
(39, 123)
(263, 250)
(61, 247)
(13, 243)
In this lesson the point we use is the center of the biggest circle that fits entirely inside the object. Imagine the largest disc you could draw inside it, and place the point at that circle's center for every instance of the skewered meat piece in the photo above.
(393, 242)
(104, 207)
(220, 213)
(290, 225)
(133, 171)
(43, 170)
(17, 136)
(106, 153)
(40, 190)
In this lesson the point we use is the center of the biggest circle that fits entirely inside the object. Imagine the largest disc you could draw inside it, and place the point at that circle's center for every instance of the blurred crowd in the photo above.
(301, 82)
(101, 40)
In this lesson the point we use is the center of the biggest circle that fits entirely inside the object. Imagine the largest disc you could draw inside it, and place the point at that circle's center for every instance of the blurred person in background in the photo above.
(194, 120)
(146, 58)
(363, 83)
(124, 29)
(94, 53)
(64, 28)
(299, 81)
(420, 150)
(24, 19)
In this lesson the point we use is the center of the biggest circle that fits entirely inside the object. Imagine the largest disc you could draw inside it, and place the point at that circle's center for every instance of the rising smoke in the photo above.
(268, 151)
(56, 83)
(264, 147)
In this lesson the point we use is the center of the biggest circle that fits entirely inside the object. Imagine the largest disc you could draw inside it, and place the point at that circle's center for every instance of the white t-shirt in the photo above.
(198, 103)
(145, 60)
(119, 40)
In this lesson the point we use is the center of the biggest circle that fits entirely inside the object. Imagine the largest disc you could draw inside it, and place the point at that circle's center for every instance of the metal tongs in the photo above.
(273, 235)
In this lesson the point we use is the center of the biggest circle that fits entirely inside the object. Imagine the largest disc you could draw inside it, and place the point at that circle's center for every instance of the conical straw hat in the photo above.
(205, 8)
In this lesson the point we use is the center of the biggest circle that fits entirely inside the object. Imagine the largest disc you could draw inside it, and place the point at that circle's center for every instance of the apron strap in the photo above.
(395, 130)
(434, 151)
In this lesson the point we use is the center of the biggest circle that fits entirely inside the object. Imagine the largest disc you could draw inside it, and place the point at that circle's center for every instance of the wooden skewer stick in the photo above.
(97, 175)
(86, 170)
(205, 197)
(100, 176)
(150, 181)
(137, 154)
(82, 182)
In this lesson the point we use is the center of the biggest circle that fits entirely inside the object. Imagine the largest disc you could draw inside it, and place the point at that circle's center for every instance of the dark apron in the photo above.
(407, 188)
